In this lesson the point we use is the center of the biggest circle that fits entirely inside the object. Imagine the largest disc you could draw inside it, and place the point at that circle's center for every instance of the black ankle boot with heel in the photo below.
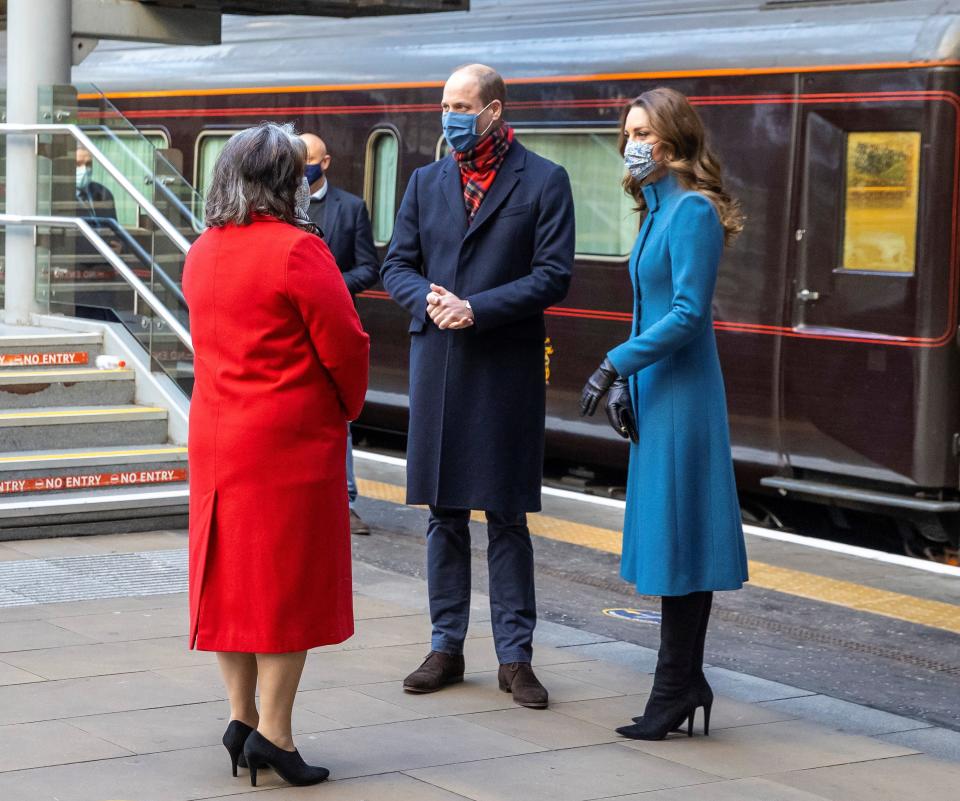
(233, 739)
(289, 765)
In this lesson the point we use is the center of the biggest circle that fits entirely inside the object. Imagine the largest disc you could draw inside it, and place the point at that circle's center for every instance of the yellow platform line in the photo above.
(895, 605)
(49, 457)
(79, 412)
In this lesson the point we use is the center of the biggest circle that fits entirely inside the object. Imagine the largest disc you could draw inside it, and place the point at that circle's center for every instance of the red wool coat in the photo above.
(281, 366)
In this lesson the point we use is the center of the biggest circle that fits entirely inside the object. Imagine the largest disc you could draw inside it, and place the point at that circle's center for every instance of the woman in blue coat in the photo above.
(682, 537)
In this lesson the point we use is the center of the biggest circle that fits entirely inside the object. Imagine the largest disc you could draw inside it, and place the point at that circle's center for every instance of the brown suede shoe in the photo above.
(520, 680)
(437, 671)
(357, 526)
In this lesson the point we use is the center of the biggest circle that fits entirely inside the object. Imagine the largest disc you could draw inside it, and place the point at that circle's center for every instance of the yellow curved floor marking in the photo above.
(909, 608)
(79, 412)
(49, 457)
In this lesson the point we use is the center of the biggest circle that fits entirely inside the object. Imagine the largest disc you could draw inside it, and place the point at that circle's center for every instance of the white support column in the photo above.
(38, 54)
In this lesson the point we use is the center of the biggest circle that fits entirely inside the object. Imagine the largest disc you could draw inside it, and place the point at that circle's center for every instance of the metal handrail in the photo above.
(140, 252)
(116, 262)
(77, 133)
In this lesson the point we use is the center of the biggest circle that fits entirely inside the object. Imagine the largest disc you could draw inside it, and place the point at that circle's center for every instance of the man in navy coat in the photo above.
(345, 224)
(483, 244)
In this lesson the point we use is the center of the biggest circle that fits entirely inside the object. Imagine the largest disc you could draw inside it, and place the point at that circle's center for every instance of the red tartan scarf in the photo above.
(479, 166)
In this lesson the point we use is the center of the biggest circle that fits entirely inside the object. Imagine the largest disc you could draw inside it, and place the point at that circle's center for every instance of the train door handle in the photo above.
(808, 295)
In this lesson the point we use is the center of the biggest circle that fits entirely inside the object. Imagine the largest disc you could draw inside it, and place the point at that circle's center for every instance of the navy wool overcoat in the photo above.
(477, 395)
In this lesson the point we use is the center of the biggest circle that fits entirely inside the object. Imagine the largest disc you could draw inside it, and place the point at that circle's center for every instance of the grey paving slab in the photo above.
(750, 688)
(27, 635)
(101, 544)
(352, 708)
(559, 636)
(935, 742)
(145, 731)
(479, 692)
(899, 779)
(388, 631)
(99, 659)
(613, 712)
(634, 657)
(385, 787)
(844, 716)
(166, 776)
(577, 774)
(33, 745)
(11, 675)
(404, 746)
(735, 790)
(366, 608)
(612, 676)
(50, 700)
(745, 751)
(543, 727)
(126, 625)
(100, 605)
(8, 554)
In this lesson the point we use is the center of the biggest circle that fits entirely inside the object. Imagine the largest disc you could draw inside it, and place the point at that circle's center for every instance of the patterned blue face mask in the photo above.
(638, 159)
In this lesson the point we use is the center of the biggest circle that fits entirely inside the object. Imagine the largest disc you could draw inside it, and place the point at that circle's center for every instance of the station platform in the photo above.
(100, 699)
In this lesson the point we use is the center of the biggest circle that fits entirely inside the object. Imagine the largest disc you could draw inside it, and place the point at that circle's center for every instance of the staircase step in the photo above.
(48, 350)
(82, 426)
(23, 388)
(47, 473)
(94, 512)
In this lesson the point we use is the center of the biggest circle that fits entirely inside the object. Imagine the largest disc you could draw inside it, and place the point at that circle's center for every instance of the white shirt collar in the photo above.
(321, 193)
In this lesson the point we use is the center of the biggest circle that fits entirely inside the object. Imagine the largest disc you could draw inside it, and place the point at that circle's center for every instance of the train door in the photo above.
(870, 294)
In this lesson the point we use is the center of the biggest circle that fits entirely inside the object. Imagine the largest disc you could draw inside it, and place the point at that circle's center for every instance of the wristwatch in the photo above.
(469, 307)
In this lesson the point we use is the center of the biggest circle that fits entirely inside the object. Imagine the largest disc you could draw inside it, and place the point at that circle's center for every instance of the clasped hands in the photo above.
(447, 310)
(619, 407)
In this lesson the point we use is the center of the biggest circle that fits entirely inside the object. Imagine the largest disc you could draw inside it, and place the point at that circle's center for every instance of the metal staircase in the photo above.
(82, 449)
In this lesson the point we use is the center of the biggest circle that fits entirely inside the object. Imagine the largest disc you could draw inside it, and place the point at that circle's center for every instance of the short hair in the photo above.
(491, 84)
(257, 172)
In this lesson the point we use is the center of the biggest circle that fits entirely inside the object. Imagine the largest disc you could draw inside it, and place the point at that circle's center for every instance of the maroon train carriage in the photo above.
(839, 127)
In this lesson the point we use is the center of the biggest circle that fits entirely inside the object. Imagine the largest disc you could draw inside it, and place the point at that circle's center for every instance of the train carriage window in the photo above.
(606, 222)
(133, 154)
(209, 147)
(881, 201)
(381, 183)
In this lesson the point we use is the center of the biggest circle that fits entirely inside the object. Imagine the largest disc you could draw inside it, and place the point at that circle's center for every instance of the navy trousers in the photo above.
(513, 603)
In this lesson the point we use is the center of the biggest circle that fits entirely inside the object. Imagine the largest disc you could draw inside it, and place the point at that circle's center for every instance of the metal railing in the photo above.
(78, 134)
(98, 242)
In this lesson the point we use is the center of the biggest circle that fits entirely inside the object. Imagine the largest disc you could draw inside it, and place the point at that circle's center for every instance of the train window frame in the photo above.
(841, 269)
(158, 131)
(370, 178)
(593, 129)
(205, 134)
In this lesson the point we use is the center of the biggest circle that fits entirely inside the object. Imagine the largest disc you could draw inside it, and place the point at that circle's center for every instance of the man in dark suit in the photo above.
(345, 224)
(483, 244)
(93, 199)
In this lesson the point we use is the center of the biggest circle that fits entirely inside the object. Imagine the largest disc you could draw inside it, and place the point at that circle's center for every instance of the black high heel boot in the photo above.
(698, 680)
(674, 697)
(233, 739)
(289, 765)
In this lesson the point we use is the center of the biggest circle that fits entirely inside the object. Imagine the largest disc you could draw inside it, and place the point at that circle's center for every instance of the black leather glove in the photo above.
(620, 410)
(596, 387)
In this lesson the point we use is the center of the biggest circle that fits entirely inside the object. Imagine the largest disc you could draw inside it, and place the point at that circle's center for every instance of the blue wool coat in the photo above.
(682, 529)
(477, 395)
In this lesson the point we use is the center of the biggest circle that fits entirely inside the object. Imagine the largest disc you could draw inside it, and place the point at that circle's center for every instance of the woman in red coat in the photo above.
(281, 366)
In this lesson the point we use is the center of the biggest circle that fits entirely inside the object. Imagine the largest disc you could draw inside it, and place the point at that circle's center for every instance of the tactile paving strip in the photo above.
(88, 578)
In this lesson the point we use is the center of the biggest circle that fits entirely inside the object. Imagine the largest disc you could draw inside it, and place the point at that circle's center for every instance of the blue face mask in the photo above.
(314, 173)
(84, 176)
(638, 159)
(460, 130)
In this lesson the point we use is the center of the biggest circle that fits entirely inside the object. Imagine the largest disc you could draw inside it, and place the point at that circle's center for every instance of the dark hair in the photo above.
(689, 156)
(257, 172)
(491, 84)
